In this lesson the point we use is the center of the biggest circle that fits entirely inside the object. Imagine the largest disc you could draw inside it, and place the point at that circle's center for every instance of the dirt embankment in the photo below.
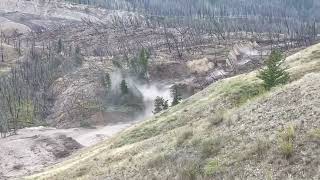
(36, 148)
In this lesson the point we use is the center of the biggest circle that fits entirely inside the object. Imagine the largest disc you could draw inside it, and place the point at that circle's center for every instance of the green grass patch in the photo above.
(150, 129)
(213, 167)
(241, 93)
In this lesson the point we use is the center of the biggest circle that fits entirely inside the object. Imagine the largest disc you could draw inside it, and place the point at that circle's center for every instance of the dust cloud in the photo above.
(149, 91)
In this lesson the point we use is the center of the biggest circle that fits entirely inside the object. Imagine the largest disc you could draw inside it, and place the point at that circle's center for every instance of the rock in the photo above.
(17, 167)
(200, 66)
(60, 147)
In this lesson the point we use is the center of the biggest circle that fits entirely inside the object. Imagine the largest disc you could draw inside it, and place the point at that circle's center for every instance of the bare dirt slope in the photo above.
(232, 129)
(35, 148)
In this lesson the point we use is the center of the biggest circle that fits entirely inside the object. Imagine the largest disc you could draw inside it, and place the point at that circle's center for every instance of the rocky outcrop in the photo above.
(60, 147)
(201, 66)
(168, 70)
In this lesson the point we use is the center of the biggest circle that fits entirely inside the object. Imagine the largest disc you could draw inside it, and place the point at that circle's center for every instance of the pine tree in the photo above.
(77, 56)
(77, 50)
(60, 46)
(124, 87)
(158, 105)
(165, 105)
(107, 81)
(175, 95)
(274, 74)
(139, 65)
(143, 61)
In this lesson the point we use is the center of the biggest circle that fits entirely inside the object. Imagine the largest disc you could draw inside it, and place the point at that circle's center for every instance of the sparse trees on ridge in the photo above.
(25, 96)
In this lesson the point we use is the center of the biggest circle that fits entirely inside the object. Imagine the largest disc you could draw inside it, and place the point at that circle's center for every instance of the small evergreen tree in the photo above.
(60, 46)
(160, 104)
(274, 74)
(165, 105)
(143, 61)
(77, 50)
(139, 64)
(77, 56)
(175, 95)
(124, 87)
(107, 81)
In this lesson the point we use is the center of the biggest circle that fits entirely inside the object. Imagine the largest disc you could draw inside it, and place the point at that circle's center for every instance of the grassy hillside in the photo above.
(233, 128)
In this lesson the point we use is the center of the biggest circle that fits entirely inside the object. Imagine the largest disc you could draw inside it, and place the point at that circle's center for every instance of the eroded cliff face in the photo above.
(47, 9)
(81, 98)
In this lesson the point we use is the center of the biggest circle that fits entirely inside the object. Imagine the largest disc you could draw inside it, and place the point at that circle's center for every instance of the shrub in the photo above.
(286, 148)
(286, 145)
(258, 149)
(216, 119)
(157, 160)
(211, 147)
(315, 134)
(288, 133)
(81, 172)
(184, 136)
(195, 141)
(262, 146)
(274, 74)
(189, 171)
